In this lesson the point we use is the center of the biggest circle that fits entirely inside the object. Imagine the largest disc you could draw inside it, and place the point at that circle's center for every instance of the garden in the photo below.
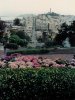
(28, 77)
(17, 60)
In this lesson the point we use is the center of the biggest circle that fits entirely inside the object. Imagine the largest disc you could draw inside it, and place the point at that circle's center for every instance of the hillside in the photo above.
(53, 19)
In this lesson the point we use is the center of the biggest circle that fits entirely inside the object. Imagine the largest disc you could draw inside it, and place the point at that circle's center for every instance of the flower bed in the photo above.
(22, 79)
(22, 61)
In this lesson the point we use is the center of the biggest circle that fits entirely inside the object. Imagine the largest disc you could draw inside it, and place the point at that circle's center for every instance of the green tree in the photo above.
(63, 33)
(44, 36)
(16, 39)
(2, 29)
(72, 33)
(2, 26)
(17, 21)
(23, 35)
(39, 39)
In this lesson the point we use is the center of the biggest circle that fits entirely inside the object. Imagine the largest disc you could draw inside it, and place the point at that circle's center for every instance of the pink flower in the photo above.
(36, 65)
(29, 64)
(13, 65)
(22, 66)
(2, 64)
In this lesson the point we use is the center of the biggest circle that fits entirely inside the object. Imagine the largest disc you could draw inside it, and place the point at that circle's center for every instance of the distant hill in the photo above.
(53, 19)
(52, 14)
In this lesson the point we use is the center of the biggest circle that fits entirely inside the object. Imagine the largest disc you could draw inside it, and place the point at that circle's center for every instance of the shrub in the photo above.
(29, 51)
(23, 35)
(11, 46)
(22, 42)
(17, 21)
(37, 84)
(16, 39)
(49, 44)
(60, 61)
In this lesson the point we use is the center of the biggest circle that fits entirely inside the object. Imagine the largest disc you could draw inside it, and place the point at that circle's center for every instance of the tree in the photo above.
(72, 27)
(16, 39)
(39, 39)
(58, 39)
(2, 29)
(17, 21)
(72, 33)
(23, 35)
(44, 36)
(66, 31)
(2, 26)
(63, 29)
(63, 34)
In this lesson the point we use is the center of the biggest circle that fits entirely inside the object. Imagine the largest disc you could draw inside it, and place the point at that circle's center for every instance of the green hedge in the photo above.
(29, 51)
(11, 46)
(37, 84)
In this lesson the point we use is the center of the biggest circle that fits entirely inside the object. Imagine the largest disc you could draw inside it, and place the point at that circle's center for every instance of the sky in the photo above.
(18, 7)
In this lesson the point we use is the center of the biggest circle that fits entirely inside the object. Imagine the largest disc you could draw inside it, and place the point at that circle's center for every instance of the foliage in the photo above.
(16, 39)
(13, 32)
(60, 61)
(44, 36)
(23, 35)
(49, 43)
(37, 84)
(11, 46)
(64, 32)
(29, 51)
(1, 36)
(39, 39)
(58, 39)
(2, 26)
(5, 38)
(72, 39)
(22, 61)
(52, 14)
(17, 21)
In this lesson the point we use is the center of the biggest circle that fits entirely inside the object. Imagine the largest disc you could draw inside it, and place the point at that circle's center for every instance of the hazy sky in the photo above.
(16, 7)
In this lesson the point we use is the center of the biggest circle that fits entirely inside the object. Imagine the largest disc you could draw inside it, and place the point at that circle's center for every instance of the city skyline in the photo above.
(17, 7)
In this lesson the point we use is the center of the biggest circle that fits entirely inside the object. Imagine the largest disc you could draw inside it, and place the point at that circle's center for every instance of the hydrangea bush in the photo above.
(23, 61)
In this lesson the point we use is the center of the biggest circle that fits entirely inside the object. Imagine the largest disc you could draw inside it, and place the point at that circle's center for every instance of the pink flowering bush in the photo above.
(2, 64)
(17, 64)
(22, 61)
